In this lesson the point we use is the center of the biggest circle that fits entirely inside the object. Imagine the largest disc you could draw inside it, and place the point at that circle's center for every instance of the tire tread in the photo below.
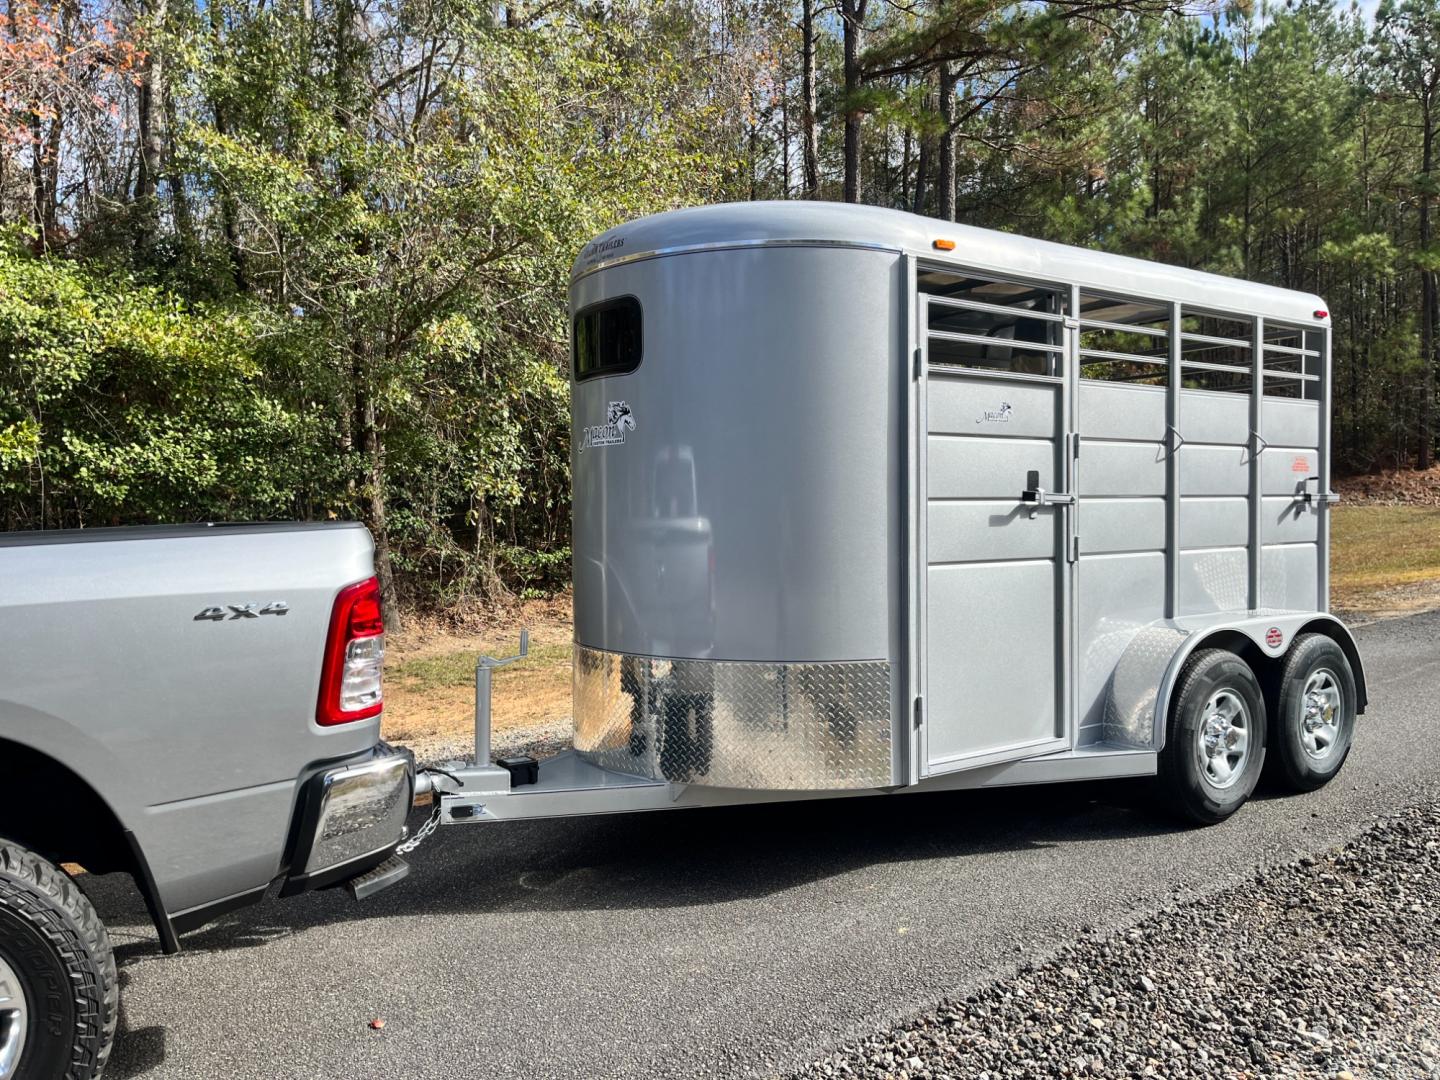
(54, 905)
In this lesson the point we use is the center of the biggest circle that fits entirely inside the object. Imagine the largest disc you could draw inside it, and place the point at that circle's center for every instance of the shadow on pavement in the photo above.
(689, 858)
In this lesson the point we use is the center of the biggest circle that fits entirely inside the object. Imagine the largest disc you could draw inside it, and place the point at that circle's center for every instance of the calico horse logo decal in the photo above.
(618, 420)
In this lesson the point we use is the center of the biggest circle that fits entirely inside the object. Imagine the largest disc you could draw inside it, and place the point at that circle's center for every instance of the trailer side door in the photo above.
(995, 518)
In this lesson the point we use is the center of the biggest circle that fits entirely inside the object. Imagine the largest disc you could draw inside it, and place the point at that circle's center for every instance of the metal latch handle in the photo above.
(1036, 496)
(1305, 495)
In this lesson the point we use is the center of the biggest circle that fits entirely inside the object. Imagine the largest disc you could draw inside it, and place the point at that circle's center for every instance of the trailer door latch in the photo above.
(1305, 495)
(1036, 496)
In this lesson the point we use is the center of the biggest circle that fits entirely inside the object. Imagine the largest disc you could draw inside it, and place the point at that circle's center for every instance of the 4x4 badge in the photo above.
(242, 611)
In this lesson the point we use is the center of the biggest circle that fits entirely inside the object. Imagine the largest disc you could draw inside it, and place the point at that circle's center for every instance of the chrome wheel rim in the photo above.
(1222, 743)
(1322, 709)
(14, 1020)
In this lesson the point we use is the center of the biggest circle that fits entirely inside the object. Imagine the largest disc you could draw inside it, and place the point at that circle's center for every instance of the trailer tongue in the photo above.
(868, 503)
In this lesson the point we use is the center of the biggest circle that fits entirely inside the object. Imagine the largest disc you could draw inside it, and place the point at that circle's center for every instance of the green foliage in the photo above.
(345, 298)
(360, 309)
(116, 396)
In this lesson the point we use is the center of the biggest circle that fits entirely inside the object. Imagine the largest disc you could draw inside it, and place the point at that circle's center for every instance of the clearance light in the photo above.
(944, 245)
(1322, 314)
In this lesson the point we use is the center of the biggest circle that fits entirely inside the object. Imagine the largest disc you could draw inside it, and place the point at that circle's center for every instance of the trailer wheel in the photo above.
(1215, 747)
(1314, 713)
(59, 994)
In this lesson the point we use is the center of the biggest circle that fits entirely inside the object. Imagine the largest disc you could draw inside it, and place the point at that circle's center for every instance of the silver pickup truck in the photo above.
(198, 707)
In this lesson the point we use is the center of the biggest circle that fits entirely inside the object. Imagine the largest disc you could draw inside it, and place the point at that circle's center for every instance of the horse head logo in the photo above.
(619, 415)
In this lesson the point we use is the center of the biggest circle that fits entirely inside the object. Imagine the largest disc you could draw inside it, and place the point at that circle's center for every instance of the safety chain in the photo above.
(421, 834)
(433, 821)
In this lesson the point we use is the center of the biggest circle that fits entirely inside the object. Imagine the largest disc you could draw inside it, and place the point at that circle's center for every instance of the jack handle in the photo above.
(483, 667)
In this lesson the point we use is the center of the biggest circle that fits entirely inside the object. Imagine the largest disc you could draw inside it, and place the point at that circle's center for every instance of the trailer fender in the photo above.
(1137, 702)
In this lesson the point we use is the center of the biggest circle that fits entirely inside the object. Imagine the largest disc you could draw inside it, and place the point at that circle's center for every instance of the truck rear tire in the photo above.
(1215, 745)
(1314, 713)
(59, 994)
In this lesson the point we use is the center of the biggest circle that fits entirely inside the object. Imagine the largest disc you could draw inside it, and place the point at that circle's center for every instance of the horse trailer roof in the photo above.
(845, 224)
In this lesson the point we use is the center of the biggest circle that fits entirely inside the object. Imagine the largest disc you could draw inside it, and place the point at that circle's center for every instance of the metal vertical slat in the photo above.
(920, 736)
(1257, 397)
(1323, 453)
(1172, 469)
(1068, 725)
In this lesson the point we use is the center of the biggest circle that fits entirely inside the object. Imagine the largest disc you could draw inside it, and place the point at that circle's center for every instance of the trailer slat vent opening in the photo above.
(1292, 362)
(995, 325)
(1124, 340)
(1216, 352)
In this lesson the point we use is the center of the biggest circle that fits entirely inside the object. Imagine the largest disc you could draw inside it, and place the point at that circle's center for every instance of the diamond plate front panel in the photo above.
(771, 727)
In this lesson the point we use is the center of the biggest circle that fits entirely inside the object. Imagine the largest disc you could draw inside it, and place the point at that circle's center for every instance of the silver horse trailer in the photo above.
(867, 502)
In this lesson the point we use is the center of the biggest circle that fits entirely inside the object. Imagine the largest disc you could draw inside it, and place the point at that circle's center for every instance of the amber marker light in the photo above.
(944, 245)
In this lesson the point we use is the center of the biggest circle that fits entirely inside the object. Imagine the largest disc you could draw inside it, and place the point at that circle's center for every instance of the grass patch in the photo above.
(1385, 560)
(457, 669)
(1380, 547)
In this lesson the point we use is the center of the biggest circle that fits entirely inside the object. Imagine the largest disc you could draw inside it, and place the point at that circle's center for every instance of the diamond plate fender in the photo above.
(1138, 701)
(729, 724)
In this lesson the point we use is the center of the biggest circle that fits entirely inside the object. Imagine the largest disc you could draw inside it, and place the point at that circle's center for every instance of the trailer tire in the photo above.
(1215, 746)
(1311, 746)
(58, 956)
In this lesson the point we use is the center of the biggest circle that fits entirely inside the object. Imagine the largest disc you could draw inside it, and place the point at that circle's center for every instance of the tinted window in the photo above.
(607, 338)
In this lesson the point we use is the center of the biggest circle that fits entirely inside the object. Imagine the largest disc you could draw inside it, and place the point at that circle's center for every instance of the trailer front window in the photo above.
(607, 338)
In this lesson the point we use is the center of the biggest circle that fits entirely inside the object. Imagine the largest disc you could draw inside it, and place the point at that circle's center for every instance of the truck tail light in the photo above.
(354, 652)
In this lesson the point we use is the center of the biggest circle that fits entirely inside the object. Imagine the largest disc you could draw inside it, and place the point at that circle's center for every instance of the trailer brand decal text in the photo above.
(601, 247)
(995, 416)
(618, 420)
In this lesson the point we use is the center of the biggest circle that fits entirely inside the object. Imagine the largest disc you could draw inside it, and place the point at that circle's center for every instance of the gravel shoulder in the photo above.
(1323, 968)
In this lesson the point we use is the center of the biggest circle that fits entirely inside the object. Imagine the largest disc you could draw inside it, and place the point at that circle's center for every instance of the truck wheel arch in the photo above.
(74, 823)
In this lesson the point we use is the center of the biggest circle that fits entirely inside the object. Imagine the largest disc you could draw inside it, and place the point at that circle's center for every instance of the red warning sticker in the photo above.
(1300, 464)
(1273, 637)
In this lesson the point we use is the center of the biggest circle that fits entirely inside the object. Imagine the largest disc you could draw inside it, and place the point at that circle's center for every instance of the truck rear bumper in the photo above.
(351, 818)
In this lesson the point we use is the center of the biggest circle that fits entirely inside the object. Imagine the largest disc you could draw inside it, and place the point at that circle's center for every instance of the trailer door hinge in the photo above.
(919, 362)
(919, 712)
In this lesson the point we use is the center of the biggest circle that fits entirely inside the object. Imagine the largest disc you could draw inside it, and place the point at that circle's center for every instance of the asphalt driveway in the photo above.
(718, 942)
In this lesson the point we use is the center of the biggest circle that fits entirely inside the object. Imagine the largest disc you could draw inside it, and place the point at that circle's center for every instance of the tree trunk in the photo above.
(376, 511)
(350, 102)
(179, 198)
(922, 176)
(946, 179)
(852, 14)
(229, 209)
(810, 132)
(1427, 294)
(905, 143)
(149, 120)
